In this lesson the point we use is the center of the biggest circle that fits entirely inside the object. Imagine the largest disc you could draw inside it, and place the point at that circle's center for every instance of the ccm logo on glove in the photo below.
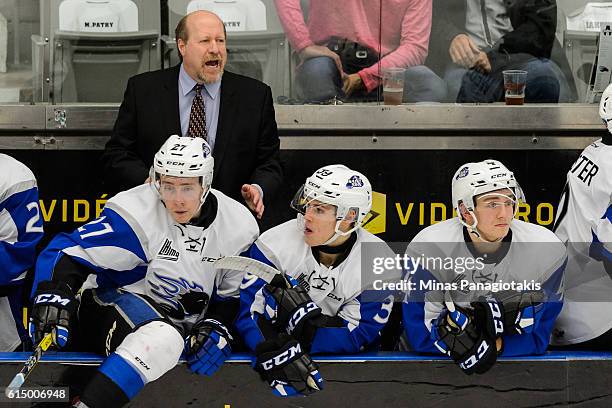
(299, 315)
(51, 298)
(473, 359)
(282, 358)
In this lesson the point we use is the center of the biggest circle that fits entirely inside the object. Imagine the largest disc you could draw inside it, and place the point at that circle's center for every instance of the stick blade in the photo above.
(252, 266)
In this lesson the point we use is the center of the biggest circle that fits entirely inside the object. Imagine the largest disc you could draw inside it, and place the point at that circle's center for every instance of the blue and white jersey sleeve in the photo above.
(357, 326)
(546, 313)
(107, 246)
(419, 310)
(21, 229)
(252, 302)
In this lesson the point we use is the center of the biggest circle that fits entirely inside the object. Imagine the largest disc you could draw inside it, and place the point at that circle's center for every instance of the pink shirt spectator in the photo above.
(402, 40)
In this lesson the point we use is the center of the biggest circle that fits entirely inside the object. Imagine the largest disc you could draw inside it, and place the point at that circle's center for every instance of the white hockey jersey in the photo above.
(136, 244)
(21, 229)
(442, 266)
(338, 290)
(584, 224)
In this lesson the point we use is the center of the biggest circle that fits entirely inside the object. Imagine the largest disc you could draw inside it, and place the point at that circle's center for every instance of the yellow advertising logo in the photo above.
(376, 221)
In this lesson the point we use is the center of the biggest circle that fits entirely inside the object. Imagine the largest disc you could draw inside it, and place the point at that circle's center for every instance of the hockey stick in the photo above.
(30, 363)
(252, 266)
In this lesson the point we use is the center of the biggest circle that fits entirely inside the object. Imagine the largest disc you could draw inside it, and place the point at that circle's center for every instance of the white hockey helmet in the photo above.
(605, 107)
(184, 157)
(473, 179)
(341, 187)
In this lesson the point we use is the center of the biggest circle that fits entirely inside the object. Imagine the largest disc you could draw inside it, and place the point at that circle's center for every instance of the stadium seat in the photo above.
(94, 47)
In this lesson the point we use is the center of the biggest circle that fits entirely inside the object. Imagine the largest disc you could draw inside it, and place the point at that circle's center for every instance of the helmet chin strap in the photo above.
(472, 229)
(337, 232)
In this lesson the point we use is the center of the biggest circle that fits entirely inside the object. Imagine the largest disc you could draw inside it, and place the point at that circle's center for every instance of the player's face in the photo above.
(204, 53)
(319, 223)
(181, 195)
(495, 211)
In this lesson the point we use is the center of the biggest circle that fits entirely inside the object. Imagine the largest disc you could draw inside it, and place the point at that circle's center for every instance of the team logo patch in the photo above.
(167, 252)
(462, 173)
(206, 149)
(354, 181)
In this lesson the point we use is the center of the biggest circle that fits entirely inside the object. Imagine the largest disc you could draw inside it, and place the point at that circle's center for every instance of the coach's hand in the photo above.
(253, 198)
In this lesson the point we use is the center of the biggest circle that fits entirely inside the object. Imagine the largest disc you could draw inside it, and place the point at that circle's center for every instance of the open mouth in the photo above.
(213, 63)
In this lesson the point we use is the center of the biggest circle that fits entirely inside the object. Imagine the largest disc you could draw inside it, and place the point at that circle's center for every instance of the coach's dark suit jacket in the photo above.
(246, 147)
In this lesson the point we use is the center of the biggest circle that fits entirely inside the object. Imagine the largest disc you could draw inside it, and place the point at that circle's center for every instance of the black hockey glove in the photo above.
(522, 310)
(282, 363)
(489, 316)
(53, 311)
(289, 307)
(456, 335)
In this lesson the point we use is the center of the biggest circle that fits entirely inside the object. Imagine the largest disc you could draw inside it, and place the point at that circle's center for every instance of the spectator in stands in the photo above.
(197, 98)
(485, 38)
(344, 46)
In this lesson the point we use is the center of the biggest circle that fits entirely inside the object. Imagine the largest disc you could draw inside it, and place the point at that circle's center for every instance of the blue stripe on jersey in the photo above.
(108, 278)
(109, 230)
(373, 317)
(15, 258)
(597, 250)
(137, 309)
(413, 314)
(608, 214)
(123, 374)
(246, 323)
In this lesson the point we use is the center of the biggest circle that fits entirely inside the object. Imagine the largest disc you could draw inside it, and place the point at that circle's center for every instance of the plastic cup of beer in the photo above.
(393, 85)
(514, 85)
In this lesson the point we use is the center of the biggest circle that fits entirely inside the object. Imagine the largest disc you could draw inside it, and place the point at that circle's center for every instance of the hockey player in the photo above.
(584, 224)
(483, 283)
(316, 303)
(151, 252)
(21, 228)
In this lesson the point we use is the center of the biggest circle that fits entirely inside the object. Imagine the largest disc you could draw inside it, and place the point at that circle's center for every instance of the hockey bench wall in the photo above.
(367, 380)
